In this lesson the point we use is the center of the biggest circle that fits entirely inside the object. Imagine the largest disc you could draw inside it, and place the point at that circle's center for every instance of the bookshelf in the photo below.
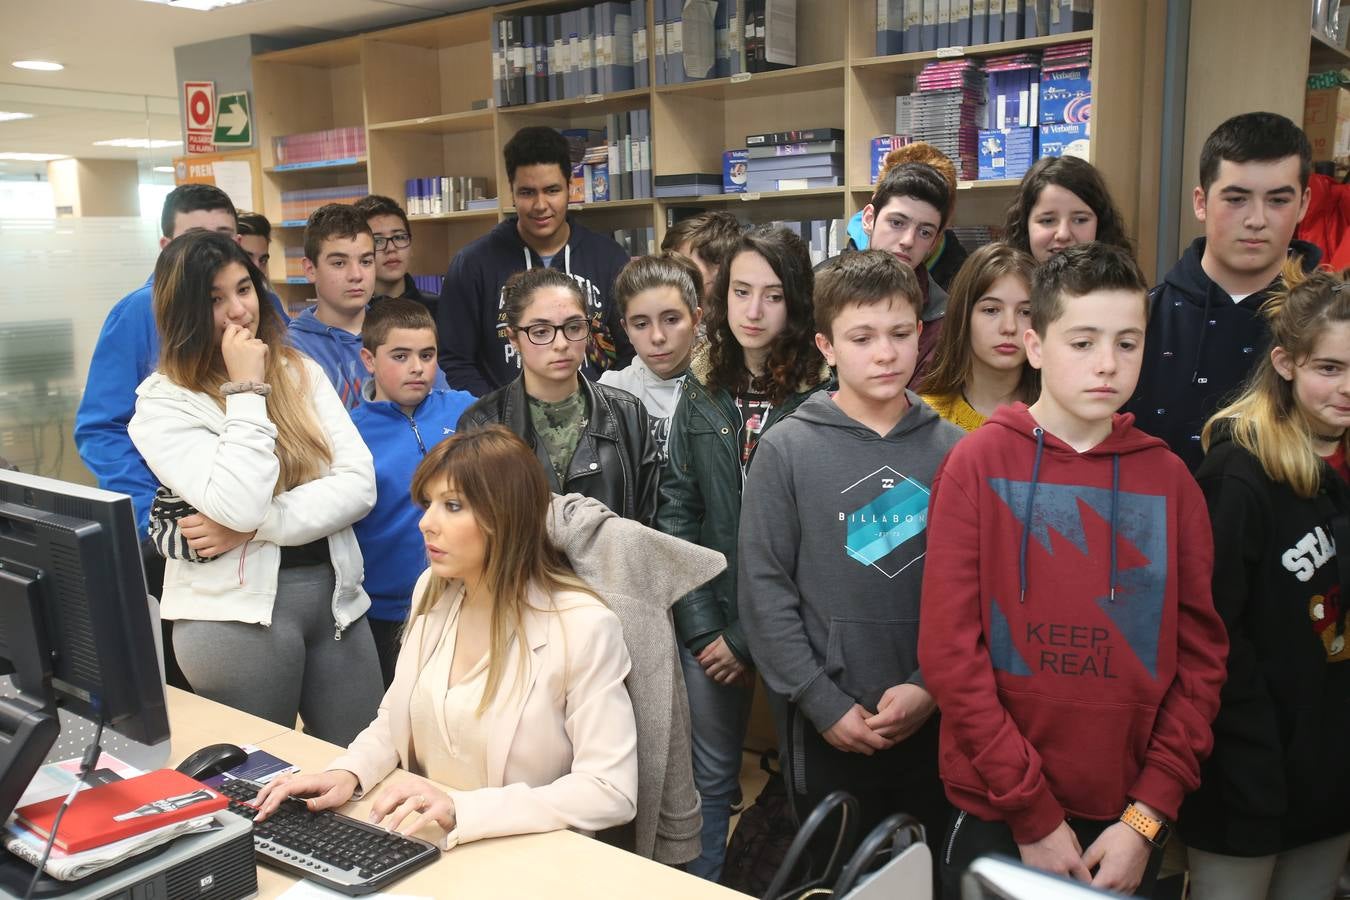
(418, 90)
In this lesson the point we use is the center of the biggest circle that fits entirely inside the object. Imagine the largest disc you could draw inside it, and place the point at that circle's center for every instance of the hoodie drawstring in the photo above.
(1115, 505)
(1026, 519)
(567, 258)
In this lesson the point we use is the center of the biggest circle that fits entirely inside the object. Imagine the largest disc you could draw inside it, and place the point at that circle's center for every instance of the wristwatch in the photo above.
(262, 389)
(1154, 830)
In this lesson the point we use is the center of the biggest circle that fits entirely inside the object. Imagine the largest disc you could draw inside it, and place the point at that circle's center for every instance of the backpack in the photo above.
(762, 836)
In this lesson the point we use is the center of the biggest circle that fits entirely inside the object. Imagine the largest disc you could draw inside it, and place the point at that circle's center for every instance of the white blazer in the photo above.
(561, 744)
(223, 463)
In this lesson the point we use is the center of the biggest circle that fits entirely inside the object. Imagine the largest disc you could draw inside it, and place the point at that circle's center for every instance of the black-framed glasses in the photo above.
(400, 239)
(543, 334)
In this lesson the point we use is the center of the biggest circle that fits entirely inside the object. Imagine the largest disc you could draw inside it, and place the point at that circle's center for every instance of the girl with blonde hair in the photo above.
(1271, 818)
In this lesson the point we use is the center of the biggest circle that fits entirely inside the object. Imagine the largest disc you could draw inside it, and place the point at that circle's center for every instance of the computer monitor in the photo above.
(75, 622)
(1000, 878)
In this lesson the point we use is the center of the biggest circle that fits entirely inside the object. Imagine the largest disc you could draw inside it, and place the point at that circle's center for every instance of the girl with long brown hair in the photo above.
(981, 362)
(759, 364)
(266, 598)
(509, 689)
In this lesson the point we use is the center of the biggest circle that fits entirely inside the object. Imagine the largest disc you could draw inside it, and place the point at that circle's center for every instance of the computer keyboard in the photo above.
(339, 852)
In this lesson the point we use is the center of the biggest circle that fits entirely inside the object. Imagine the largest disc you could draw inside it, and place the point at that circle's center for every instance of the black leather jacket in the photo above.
(615, 461)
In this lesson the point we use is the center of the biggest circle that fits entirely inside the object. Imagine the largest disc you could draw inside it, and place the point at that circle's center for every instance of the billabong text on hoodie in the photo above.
(1199, 348)
(1068, 632)
(470, 322)
(832, 541)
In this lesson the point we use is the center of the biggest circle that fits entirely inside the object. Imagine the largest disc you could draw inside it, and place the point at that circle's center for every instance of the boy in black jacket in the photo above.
(1204, 331)
(474, 351)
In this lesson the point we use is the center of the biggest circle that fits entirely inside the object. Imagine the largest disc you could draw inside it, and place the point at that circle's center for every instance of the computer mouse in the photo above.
(212, 760)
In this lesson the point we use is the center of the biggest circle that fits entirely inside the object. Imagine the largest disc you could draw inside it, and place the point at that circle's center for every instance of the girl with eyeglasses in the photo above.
(591, 439)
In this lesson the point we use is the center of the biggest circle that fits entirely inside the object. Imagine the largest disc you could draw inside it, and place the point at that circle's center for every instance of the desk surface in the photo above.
(555, 865)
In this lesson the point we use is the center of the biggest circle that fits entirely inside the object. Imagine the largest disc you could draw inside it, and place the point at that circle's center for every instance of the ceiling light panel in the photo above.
(138, 143)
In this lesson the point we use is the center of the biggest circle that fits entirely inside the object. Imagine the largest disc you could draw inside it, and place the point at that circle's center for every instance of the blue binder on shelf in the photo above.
(1068, 16)
(911, 32)
(979, 22)
(675, 42)
(658, 40)
(960, 23)
(890, 26)
(944, 24)
(586, 40)
(641, 44)
(1036, 18)
(994, 21)
(531, 86)
(1012, 19)
(722, 36)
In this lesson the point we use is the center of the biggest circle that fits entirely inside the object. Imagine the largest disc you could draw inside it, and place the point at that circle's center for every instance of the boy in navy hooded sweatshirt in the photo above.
(1205, 329)
(475, 353)
(401, 419)
(1067, 629)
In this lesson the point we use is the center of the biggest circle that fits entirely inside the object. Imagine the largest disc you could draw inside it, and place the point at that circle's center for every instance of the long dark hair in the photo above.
(1079, 178)
(793, 360)
(190, 350)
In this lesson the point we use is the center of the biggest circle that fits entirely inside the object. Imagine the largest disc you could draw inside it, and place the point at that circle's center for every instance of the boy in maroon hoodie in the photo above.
(1079, 668)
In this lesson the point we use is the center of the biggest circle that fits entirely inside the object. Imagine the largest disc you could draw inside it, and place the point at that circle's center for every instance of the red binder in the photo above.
(122, 809)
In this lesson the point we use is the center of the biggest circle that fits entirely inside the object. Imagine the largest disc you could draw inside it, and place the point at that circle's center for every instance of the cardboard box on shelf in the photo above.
(1326, 120)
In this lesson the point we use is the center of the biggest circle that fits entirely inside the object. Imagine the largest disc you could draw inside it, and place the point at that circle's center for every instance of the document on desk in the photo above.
(308, 890)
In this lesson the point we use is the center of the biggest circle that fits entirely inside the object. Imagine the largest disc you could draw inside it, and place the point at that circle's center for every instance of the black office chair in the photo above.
(839, 806)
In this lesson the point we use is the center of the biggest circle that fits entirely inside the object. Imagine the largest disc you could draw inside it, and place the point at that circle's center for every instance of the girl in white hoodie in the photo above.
(270, 616)
(658, 304)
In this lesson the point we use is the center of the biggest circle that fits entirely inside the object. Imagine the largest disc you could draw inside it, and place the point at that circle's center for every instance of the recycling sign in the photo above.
(232, 120)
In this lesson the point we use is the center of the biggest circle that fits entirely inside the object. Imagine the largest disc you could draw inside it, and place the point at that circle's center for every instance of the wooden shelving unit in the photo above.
(415, 88)
(1324, 55)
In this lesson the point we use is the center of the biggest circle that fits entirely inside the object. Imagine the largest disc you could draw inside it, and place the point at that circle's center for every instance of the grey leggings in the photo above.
(294, 666)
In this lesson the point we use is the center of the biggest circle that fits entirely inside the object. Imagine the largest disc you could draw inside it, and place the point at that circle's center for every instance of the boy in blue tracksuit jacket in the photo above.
(340, 261)
(128, 350)
(401, 419)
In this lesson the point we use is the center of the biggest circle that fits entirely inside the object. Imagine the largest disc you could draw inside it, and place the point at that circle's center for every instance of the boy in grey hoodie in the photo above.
(832, 540)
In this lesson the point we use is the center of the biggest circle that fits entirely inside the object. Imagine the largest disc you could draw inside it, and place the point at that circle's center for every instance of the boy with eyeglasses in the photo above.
(340, 262)
(393, 251)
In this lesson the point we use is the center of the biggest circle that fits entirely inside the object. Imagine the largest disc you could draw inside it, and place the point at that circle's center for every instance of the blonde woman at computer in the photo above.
(509, 689)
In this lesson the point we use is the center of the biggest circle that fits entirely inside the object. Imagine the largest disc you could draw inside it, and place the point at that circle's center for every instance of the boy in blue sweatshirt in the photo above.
(401, 419)
(127, 351)
(833, 536)
(340, 262)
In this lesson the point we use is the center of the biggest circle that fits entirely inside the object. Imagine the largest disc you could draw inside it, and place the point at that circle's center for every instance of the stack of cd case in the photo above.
(946, 110)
